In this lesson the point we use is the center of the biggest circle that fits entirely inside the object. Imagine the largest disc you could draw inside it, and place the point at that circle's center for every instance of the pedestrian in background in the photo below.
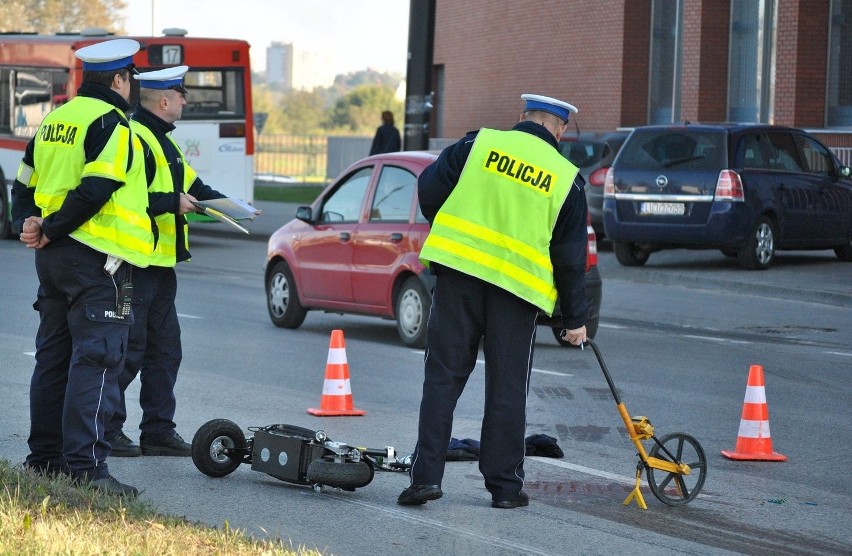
(154, 352)
(508, 232)
(79, 200)
(387, 139)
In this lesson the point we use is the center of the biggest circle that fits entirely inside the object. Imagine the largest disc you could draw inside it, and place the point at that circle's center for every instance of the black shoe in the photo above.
(519, 501)
(172, 445)
(123, 447)
(419, 494)
(110, 485)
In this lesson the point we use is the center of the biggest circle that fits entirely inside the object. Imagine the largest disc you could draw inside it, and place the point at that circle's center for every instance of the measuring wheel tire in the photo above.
(672, 488)
(209, 446)
(346, 475)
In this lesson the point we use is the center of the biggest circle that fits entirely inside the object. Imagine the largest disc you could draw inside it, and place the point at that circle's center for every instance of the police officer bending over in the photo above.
(508, 233)
(79, 200)
(155, 348)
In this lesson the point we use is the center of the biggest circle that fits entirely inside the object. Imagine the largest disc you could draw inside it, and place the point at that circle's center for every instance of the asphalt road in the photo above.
(678, 336)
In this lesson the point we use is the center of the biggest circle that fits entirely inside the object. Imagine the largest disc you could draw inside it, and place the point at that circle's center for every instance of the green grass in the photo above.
(301, 194)
(41, 515)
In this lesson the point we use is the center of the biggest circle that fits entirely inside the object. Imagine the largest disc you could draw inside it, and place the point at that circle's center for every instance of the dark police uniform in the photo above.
(82, 338)
(155, 347)
(464, 310)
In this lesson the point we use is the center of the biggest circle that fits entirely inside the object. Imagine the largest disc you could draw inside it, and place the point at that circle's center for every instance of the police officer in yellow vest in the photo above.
(508, 234)
(155, 348)
(79, 200)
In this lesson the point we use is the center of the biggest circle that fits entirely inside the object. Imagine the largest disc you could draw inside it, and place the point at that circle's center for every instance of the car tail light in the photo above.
(609, 184)
(598, 177)
(729, 187)
(592, 245)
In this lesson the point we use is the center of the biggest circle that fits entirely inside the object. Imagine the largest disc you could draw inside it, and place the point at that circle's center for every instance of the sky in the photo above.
(356, 34)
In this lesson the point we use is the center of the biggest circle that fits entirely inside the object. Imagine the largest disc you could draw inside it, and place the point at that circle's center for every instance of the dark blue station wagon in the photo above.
(745, 189)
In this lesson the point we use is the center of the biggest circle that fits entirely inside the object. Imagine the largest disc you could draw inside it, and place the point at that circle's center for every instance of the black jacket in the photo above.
(386, 140)
(568, 244)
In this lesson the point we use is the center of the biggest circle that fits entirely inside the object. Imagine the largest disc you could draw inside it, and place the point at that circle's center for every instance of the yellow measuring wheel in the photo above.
(676, 465)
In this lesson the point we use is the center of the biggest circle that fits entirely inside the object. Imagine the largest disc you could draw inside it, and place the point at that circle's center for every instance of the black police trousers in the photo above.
(464, 311)
(80, 348)
(154, 353)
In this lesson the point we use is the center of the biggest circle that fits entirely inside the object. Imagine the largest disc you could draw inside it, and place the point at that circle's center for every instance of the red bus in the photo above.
(216, 132)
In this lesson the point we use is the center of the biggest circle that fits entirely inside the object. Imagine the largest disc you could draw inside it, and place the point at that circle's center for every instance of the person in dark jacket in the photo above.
(387, 139)
(508, 235)
(154, 351)
(79, 200)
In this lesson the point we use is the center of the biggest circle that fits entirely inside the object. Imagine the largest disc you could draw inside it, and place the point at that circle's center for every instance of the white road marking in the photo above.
(712, 339)
(185, 316)
(596, 472)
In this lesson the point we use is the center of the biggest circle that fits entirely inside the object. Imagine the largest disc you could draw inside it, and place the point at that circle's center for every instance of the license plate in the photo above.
(676, 209)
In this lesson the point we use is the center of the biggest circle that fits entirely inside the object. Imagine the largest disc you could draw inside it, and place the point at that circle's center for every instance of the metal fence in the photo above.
(844, 154)
(302, 157)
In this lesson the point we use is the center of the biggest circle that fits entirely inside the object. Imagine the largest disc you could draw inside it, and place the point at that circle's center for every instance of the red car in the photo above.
(355, 250)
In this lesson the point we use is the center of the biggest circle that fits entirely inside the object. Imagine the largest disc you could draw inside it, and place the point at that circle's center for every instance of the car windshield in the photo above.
(680, 149)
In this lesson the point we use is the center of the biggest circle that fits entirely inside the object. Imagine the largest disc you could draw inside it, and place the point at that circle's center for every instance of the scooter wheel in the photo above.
(211, 444)
(345, 475)
(675, 489)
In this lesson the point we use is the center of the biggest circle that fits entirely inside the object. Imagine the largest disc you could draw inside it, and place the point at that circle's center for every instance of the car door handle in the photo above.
(396, 237)
(345, 236)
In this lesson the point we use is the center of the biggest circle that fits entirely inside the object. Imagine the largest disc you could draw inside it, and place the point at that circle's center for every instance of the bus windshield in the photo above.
(212, 94)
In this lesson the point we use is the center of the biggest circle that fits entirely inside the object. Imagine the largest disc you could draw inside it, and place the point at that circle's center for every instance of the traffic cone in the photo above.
(336, 390)
(753, 440)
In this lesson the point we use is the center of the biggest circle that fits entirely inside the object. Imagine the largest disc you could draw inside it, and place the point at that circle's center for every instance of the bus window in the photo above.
(213, 93)
(37, 92)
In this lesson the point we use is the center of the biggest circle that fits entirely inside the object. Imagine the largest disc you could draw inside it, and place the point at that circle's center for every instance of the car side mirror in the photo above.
(845, 171)
(304, 214)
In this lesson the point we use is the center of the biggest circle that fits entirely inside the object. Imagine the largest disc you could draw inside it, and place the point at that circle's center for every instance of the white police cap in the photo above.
(548, 104)
(108, 55)
(167, 78)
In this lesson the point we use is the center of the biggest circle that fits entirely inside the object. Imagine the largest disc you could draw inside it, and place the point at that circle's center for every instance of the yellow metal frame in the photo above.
(639, 429)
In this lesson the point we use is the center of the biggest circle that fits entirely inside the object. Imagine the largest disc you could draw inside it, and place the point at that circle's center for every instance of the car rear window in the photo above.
(681, 149)
(582, 153)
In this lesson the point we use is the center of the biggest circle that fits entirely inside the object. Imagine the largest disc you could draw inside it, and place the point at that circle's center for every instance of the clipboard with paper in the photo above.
(228, 210)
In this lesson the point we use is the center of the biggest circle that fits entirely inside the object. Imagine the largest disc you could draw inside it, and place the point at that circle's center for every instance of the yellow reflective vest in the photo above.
(498, 221)
(122, 227)
(165, 253)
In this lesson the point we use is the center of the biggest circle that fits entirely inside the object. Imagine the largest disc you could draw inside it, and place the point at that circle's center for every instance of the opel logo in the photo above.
(661, 181)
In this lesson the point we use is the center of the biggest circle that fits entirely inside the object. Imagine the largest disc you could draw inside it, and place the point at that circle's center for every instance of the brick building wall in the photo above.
(492, 52)
(595, 55)
(704, 94)
(800, 67)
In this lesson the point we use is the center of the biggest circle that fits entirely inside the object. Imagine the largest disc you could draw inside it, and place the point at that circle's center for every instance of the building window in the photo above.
(751, 82)
(839, 98)
(666, 54)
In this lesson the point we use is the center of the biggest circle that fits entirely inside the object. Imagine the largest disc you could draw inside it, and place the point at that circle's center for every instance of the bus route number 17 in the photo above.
(171, 54)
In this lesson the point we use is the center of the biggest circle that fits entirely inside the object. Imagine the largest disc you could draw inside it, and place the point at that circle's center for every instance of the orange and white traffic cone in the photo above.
(336, 389)
(753, 439)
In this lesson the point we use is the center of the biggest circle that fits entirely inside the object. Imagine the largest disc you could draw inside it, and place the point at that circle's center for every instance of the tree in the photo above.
(62, 16)
(359, 111)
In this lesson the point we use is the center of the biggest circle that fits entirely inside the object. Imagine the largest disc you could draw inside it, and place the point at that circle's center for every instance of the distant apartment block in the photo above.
(289, 67)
